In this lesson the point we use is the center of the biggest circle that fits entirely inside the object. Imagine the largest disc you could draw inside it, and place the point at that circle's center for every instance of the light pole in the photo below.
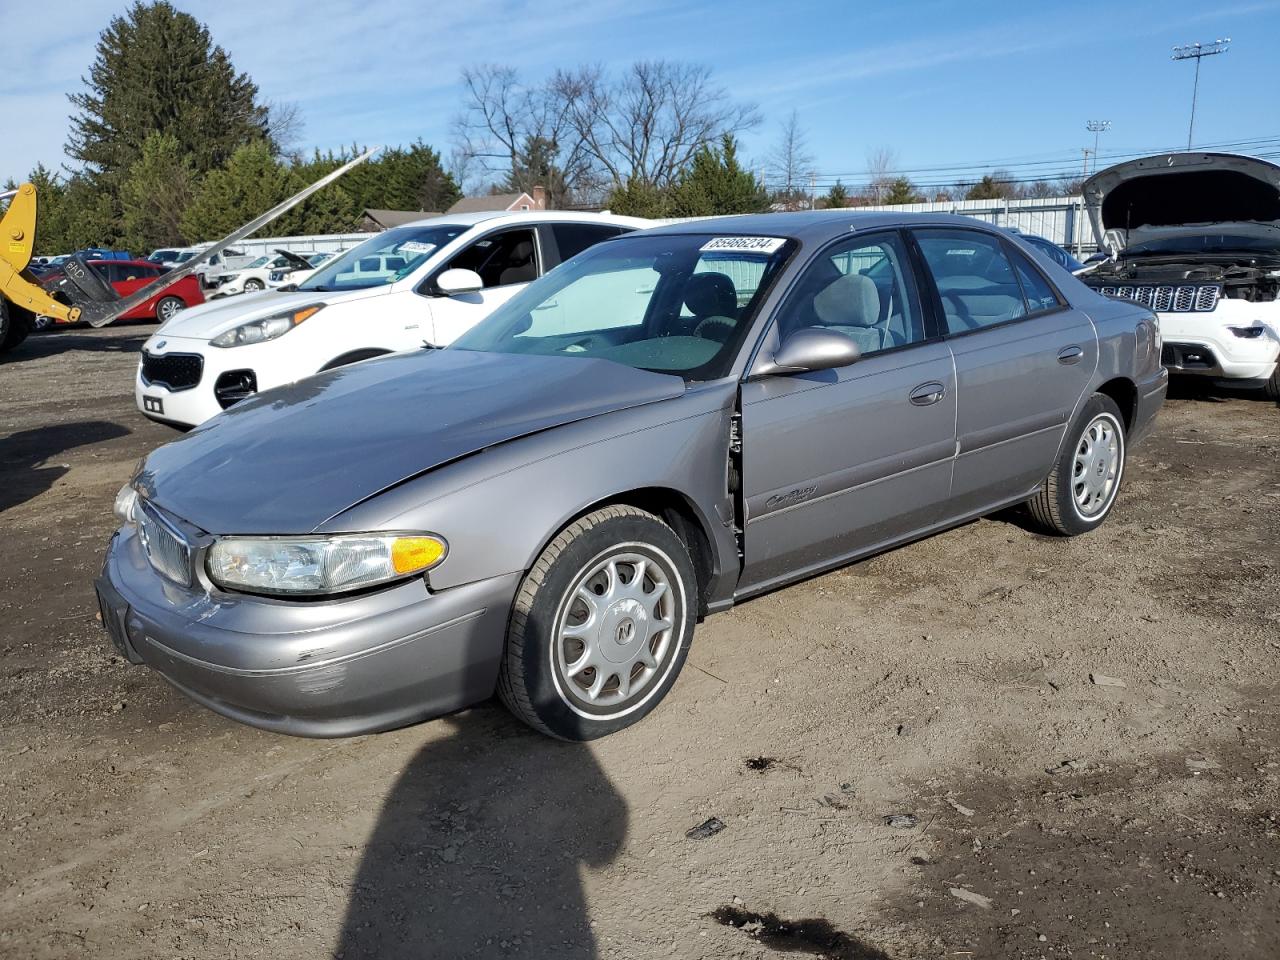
(1197, 52)
(1097, 127)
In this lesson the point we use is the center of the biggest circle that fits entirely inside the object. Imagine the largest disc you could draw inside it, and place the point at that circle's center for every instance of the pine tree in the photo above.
(154, 194)
(837, 196)
(252, 182)
(158, 71)
(902, 190)
(716, 184)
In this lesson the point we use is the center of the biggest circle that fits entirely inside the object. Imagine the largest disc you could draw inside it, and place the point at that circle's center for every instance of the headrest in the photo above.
(711, 295)
(848, 301)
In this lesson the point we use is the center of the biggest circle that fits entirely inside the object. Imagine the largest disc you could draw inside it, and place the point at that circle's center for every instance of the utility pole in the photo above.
(1096, 127)
(1197, 52)
(1085, 151)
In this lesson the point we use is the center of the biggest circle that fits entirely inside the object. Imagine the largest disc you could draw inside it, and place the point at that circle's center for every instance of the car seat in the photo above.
(713, 301)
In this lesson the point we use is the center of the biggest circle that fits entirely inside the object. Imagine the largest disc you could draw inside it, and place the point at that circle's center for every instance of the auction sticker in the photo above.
(744, 244)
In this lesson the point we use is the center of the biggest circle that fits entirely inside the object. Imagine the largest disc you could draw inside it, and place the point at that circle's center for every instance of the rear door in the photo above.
(838, 462)
(1023, 357)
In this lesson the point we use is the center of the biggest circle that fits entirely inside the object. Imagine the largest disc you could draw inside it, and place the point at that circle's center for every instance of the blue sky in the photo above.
(938, 83)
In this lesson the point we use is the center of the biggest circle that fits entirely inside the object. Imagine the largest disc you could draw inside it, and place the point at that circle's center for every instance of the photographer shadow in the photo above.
(480, 847)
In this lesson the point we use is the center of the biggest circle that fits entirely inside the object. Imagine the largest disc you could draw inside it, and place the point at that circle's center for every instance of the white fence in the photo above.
(317, 243)
(1060, 219)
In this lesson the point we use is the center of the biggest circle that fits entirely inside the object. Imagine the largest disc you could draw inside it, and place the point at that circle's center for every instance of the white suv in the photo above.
(1196, 237)
(420, 284)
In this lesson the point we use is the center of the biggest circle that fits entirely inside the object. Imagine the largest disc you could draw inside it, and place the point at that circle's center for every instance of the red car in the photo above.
(130, 276)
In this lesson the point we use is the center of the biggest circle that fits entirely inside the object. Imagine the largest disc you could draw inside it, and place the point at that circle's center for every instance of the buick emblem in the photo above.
(161, 344)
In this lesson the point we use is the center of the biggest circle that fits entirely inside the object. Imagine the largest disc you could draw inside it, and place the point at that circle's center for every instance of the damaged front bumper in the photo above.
(329, 668)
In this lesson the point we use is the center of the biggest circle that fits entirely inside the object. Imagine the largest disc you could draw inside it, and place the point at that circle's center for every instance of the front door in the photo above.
(506, 261)
(1023, 359)
(840, 462)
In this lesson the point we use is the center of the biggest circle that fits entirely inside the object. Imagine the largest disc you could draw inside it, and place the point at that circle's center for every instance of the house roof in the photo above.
(493, 201)
(395, 218)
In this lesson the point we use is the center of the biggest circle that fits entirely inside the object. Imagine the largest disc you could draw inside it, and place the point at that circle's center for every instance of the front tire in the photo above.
(1271, 389)
(252, 286)
(1081, 489)
(601, 625)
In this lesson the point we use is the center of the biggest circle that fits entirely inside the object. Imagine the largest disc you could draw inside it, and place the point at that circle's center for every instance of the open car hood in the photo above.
(1174, 193)
(296, 261)
(287, 460)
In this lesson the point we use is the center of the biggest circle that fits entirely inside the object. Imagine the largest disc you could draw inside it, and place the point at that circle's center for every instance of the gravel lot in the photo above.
(1055, 816)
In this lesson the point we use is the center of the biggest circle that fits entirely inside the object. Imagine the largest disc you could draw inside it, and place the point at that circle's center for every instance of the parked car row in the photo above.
(588, 437)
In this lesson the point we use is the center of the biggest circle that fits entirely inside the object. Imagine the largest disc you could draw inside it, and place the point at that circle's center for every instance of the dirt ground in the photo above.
(1050, 816)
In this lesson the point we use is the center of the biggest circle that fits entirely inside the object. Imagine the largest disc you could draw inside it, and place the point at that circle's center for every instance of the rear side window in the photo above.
(1039, 294)
(573, 238)
(975, 281)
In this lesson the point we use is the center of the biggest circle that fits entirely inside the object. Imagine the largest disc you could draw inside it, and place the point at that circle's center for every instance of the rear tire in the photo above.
(169, 307)
(14, 326)
(1081, 489)
(601, 625)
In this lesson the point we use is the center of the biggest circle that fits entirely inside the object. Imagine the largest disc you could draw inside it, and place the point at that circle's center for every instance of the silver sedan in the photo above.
(664, 426)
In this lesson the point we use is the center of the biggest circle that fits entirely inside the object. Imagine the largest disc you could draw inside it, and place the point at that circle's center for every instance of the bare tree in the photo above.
(503, 121)
(285, 126)
(646, 125)
(790, 164)
(881, 163)
(585, 132)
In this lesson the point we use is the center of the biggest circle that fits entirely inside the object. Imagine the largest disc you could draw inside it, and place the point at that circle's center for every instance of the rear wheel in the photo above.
(601, 625)
(14, 326)
(1081, 489)
(168, 308)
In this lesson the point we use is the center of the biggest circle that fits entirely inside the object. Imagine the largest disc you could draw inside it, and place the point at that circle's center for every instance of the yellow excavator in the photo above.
(81, 293)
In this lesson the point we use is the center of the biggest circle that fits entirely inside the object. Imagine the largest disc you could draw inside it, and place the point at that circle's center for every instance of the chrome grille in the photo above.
(1168, 299)
(168, 553)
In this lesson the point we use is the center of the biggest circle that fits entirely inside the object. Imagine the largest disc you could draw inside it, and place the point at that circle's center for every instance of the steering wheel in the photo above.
(719, 329)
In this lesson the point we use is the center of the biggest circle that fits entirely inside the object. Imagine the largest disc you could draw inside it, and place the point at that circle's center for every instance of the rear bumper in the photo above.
(329, 669)
(1151, 394)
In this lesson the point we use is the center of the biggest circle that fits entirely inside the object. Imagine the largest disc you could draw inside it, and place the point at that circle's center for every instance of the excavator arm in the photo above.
(92, 298)
(17, 242)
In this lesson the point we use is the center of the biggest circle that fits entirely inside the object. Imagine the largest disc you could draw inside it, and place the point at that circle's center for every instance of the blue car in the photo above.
(1050, 250)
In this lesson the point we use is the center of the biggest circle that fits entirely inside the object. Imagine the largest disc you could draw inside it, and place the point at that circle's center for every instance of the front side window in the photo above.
(386, 258)
(501, 258)
(975, 281)
(862, 288)
(670, 304)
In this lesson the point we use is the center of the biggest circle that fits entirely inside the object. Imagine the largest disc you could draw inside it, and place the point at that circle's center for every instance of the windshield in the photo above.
(259, 262)
(185, 256)
(1206, 243)
(162, 255)
(679, 304)
(383, 259)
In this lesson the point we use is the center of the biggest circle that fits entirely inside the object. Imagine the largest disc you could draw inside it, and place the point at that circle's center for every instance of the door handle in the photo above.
(1071, 354)
(928, 393)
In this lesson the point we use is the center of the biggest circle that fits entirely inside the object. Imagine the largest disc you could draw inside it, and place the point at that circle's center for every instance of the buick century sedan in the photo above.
(669, 423)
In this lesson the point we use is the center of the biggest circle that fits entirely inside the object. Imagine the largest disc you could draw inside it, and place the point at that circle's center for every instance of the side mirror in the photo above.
(453, 282)
(810, 349)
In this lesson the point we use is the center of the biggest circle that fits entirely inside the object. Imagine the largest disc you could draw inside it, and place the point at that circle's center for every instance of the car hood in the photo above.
(287, 460)
(217, 316)
(1162, 196)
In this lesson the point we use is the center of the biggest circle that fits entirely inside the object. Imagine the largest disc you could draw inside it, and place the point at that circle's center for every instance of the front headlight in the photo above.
(321, 565)
(268, 328)
(126, 504)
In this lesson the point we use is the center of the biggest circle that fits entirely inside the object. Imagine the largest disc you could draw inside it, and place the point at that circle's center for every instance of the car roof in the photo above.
(492, 217)
(815, 225)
